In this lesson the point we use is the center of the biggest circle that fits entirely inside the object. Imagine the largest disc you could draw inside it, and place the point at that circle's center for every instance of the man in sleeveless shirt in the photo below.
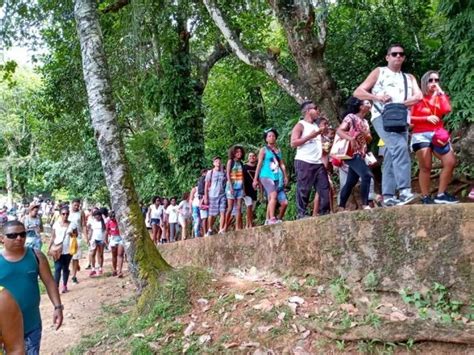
(11, 324)
(386, 85)
(310, 170)
(19, 270)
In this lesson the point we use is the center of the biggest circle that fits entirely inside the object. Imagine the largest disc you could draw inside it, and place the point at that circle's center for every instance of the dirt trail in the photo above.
(82, 303)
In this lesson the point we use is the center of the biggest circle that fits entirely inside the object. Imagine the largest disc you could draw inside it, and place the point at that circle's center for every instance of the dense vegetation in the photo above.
(182, 96)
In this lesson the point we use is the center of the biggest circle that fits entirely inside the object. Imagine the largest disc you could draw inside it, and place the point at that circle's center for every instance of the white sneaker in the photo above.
(391, 201)
(405, 198)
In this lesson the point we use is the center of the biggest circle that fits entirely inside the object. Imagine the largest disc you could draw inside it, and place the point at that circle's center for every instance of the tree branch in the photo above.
(116, 6)
(257, 60)
(220, 51)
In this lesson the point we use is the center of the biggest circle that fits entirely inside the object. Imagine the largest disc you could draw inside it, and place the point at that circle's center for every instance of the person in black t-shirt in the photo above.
(250, 198)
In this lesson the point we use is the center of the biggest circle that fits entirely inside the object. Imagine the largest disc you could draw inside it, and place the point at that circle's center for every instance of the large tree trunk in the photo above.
(145, 260)
(306, 36)
(306, 45)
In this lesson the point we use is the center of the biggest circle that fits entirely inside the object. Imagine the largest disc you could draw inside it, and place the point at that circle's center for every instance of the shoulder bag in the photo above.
(395, 115)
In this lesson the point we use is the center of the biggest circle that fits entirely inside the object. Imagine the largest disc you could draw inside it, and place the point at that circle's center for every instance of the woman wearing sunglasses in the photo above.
(61, 234)
(430, 138)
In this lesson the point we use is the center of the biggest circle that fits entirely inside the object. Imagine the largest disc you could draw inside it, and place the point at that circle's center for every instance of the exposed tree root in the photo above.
(403, 331)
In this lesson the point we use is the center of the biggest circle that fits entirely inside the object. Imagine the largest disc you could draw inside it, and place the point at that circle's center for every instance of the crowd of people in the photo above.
(395, 103)
(230, 192)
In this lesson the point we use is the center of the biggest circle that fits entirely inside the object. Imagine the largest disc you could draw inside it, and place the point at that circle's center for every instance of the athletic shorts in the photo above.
(217, 205)
(424, 140)
(238, 193)
(115, 241)
(270, 186)
(155, 221)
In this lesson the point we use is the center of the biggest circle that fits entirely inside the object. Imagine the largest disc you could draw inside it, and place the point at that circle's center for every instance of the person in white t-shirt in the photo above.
(184, 210)
(62, 232)
(154, 216)
(96, 229)
(172, 211)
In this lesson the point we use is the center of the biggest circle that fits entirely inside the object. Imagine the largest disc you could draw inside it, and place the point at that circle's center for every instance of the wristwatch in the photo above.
(59, 306)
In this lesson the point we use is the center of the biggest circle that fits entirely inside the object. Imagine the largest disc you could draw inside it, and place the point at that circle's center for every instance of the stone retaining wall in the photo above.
(409, 246)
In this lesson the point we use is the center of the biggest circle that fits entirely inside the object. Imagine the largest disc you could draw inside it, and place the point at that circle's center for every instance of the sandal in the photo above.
(471, 194)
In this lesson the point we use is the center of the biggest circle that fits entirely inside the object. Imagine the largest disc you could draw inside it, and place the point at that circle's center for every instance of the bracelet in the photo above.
(59, 306)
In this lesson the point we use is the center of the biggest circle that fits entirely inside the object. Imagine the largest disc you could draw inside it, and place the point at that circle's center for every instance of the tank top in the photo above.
(270, 166)
(311, 151)
(237, 175)
(75, 217)
(390, 83)
(21, 279)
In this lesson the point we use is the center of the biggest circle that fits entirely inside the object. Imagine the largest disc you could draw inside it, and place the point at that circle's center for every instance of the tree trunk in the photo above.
(9, 185)
(145, 260)
(306, 45)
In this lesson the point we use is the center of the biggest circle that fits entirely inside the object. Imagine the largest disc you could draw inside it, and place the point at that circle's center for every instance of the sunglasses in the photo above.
(433, 80)
(65, 214)
(395, 54)
(15, 235)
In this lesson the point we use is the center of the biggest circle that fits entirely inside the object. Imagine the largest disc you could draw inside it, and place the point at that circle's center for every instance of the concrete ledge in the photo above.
(409, 246)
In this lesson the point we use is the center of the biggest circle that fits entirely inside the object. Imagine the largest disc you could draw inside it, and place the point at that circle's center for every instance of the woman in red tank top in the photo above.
(427, 124)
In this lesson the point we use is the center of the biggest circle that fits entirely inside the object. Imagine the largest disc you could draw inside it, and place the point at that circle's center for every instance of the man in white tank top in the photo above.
(386, 85)
(310, 170)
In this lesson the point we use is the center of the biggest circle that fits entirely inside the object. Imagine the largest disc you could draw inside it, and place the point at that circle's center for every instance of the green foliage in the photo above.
(436, 299)
(457, 70)
(339, 290)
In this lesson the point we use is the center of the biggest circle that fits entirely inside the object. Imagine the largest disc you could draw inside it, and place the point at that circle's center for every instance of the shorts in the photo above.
(182, 220)
(99, 242)
(78, 255)
(250, 202)
(115, 241)
(33, 341)
(238, 193)
(155, 221)
(424, 140)
(204, 213)
(270, 186)
(217, 205)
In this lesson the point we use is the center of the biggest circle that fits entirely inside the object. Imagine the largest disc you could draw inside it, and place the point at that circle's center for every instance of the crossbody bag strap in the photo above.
(405, 83)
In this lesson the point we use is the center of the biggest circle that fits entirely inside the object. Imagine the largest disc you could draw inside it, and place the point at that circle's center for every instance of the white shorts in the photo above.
(249, 202)
(116, 241)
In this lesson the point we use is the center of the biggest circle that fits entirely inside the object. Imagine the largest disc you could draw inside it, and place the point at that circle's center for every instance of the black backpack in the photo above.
(201, 186)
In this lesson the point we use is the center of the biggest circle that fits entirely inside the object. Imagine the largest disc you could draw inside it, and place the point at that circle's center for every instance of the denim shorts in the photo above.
(33, 341)
(424, 140)
(238, 193)
(155, 221)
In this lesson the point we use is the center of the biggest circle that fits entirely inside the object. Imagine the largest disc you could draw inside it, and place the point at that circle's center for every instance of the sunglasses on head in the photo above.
(15, 235)
(395, 54)
(433, 80)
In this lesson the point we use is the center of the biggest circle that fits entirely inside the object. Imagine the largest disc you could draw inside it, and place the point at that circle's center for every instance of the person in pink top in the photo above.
(115, 241)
